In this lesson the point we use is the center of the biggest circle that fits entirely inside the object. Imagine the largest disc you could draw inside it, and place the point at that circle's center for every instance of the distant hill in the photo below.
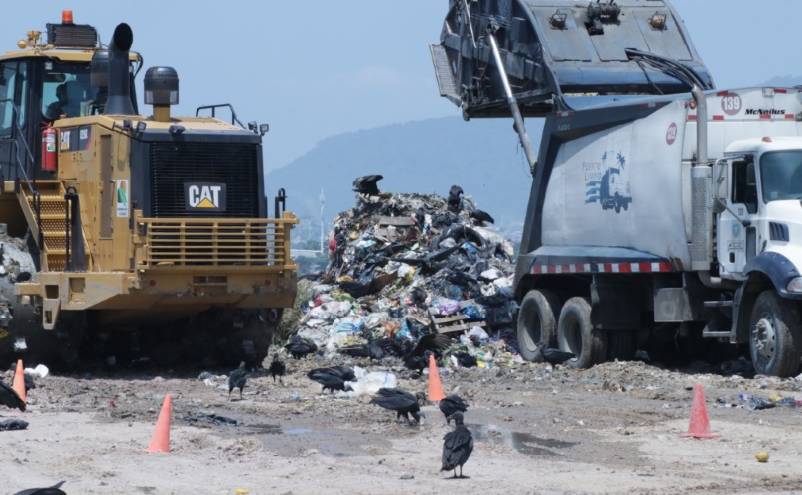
(783, 81)
(482, 156)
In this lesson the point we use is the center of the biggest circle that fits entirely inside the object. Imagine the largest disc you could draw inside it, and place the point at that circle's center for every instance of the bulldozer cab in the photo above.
(551, 49)
(42, 83)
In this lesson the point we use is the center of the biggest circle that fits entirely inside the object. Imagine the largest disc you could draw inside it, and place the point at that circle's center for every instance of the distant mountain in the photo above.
(784, 81)
(482, 156)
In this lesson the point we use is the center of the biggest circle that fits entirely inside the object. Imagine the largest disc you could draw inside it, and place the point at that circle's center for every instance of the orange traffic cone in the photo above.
(19, 381)
(700, 421)
(161, 437)
(435, 386)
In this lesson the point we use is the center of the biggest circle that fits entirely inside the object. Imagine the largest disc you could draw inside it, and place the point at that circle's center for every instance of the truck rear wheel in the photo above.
(575, 334)
(775, 336)
(537, 323)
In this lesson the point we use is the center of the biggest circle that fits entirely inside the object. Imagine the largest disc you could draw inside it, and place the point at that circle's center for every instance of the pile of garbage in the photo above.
(403, 266)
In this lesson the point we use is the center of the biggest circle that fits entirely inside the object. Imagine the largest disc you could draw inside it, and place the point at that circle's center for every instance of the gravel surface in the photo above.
(615, 428)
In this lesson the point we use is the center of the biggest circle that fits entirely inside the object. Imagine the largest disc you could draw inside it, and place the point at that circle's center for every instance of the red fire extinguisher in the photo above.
(49, 152)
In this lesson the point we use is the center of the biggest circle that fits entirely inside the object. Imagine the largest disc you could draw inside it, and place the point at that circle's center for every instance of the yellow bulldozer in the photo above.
(129, 237)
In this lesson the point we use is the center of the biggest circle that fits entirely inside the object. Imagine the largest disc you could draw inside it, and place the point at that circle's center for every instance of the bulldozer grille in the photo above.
(251, 243)
(173, 164)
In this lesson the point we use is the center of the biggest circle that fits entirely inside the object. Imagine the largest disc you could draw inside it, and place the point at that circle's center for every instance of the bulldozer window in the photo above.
(8, 78)
(744, 184)
(67, 90)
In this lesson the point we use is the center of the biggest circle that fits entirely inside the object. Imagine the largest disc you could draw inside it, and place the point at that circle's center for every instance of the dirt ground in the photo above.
(613, 429)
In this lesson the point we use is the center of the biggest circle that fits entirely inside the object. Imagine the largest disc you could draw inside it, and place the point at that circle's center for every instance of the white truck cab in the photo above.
(759, 194)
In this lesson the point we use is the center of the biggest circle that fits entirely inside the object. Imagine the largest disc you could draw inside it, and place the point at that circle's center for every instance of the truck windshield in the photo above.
(66, 90)
(781, 175)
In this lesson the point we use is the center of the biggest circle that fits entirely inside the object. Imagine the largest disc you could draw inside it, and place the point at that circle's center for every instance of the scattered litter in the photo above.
(210, 419)
(40, 371)
(13, 425)
(757, 403)
(762, 457)
(370, 383)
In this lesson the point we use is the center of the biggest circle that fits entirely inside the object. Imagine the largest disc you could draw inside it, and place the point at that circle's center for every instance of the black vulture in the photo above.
(30, 384)
(417, 363)
(418, 358)
(9, 398)
(237, 379)
(403, 403)
(455, 199)
(555, 356)
(418, 296)
(344, 372)
(334, 378)
(372, 350)
(457, 446)
(299, 347)
(482, 217)
(466, 360)
(277, 369)
(451, 405)
(53, 490)
(368, 185)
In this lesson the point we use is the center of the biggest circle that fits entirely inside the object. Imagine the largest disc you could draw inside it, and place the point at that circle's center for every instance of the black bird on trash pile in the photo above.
(403, 403)
(368, 185)
(237, 379)
(455, 199)
(466, 360)
(299, 347)
(53, 490)
(457, 446)
(334, 378)
(553, 356)
(451, 405)
(277, 369)
(482, 217)
(373, 350)
(9, 398)
(417, 359)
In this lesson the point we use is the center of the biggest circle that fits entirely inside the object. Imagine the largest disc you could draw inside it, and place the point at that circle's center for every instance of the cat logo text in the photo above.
(206, 196)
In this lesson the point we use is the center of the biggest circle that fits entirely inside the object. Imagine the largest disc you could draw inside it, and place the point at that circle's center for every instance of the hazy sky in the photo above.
(314, 68)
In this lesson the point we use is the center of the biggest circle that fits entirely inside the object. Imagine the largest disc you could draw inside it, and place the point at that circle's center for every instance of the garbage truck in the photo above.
(664, 214)
(128, 236)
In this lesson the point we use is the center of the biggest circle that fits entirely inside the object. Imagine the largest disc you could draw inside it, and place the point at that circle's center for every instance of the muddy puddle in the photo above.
(523, 443)
(296, 439)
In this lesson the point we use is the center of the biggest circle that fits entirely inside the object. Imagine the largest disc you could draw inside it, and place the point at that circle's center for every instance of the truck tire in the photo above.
(575, 334)
(537, 323)
(621, 345)
(775, 336)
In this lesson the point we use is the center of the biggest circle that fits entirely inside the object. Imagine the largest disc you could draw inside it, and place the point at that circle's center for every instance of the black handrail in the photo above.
(234, 119)
(69, 198)
(32, 189)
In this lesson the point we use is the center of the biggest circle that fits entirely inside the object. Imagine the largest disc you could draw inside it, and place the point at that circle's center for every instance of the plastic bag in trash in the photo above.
(40, 370)
(445, 307)
(370, 383)
(478, 334)
(491, 274)
(473, 312)
(349, 325)
(334, 309)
